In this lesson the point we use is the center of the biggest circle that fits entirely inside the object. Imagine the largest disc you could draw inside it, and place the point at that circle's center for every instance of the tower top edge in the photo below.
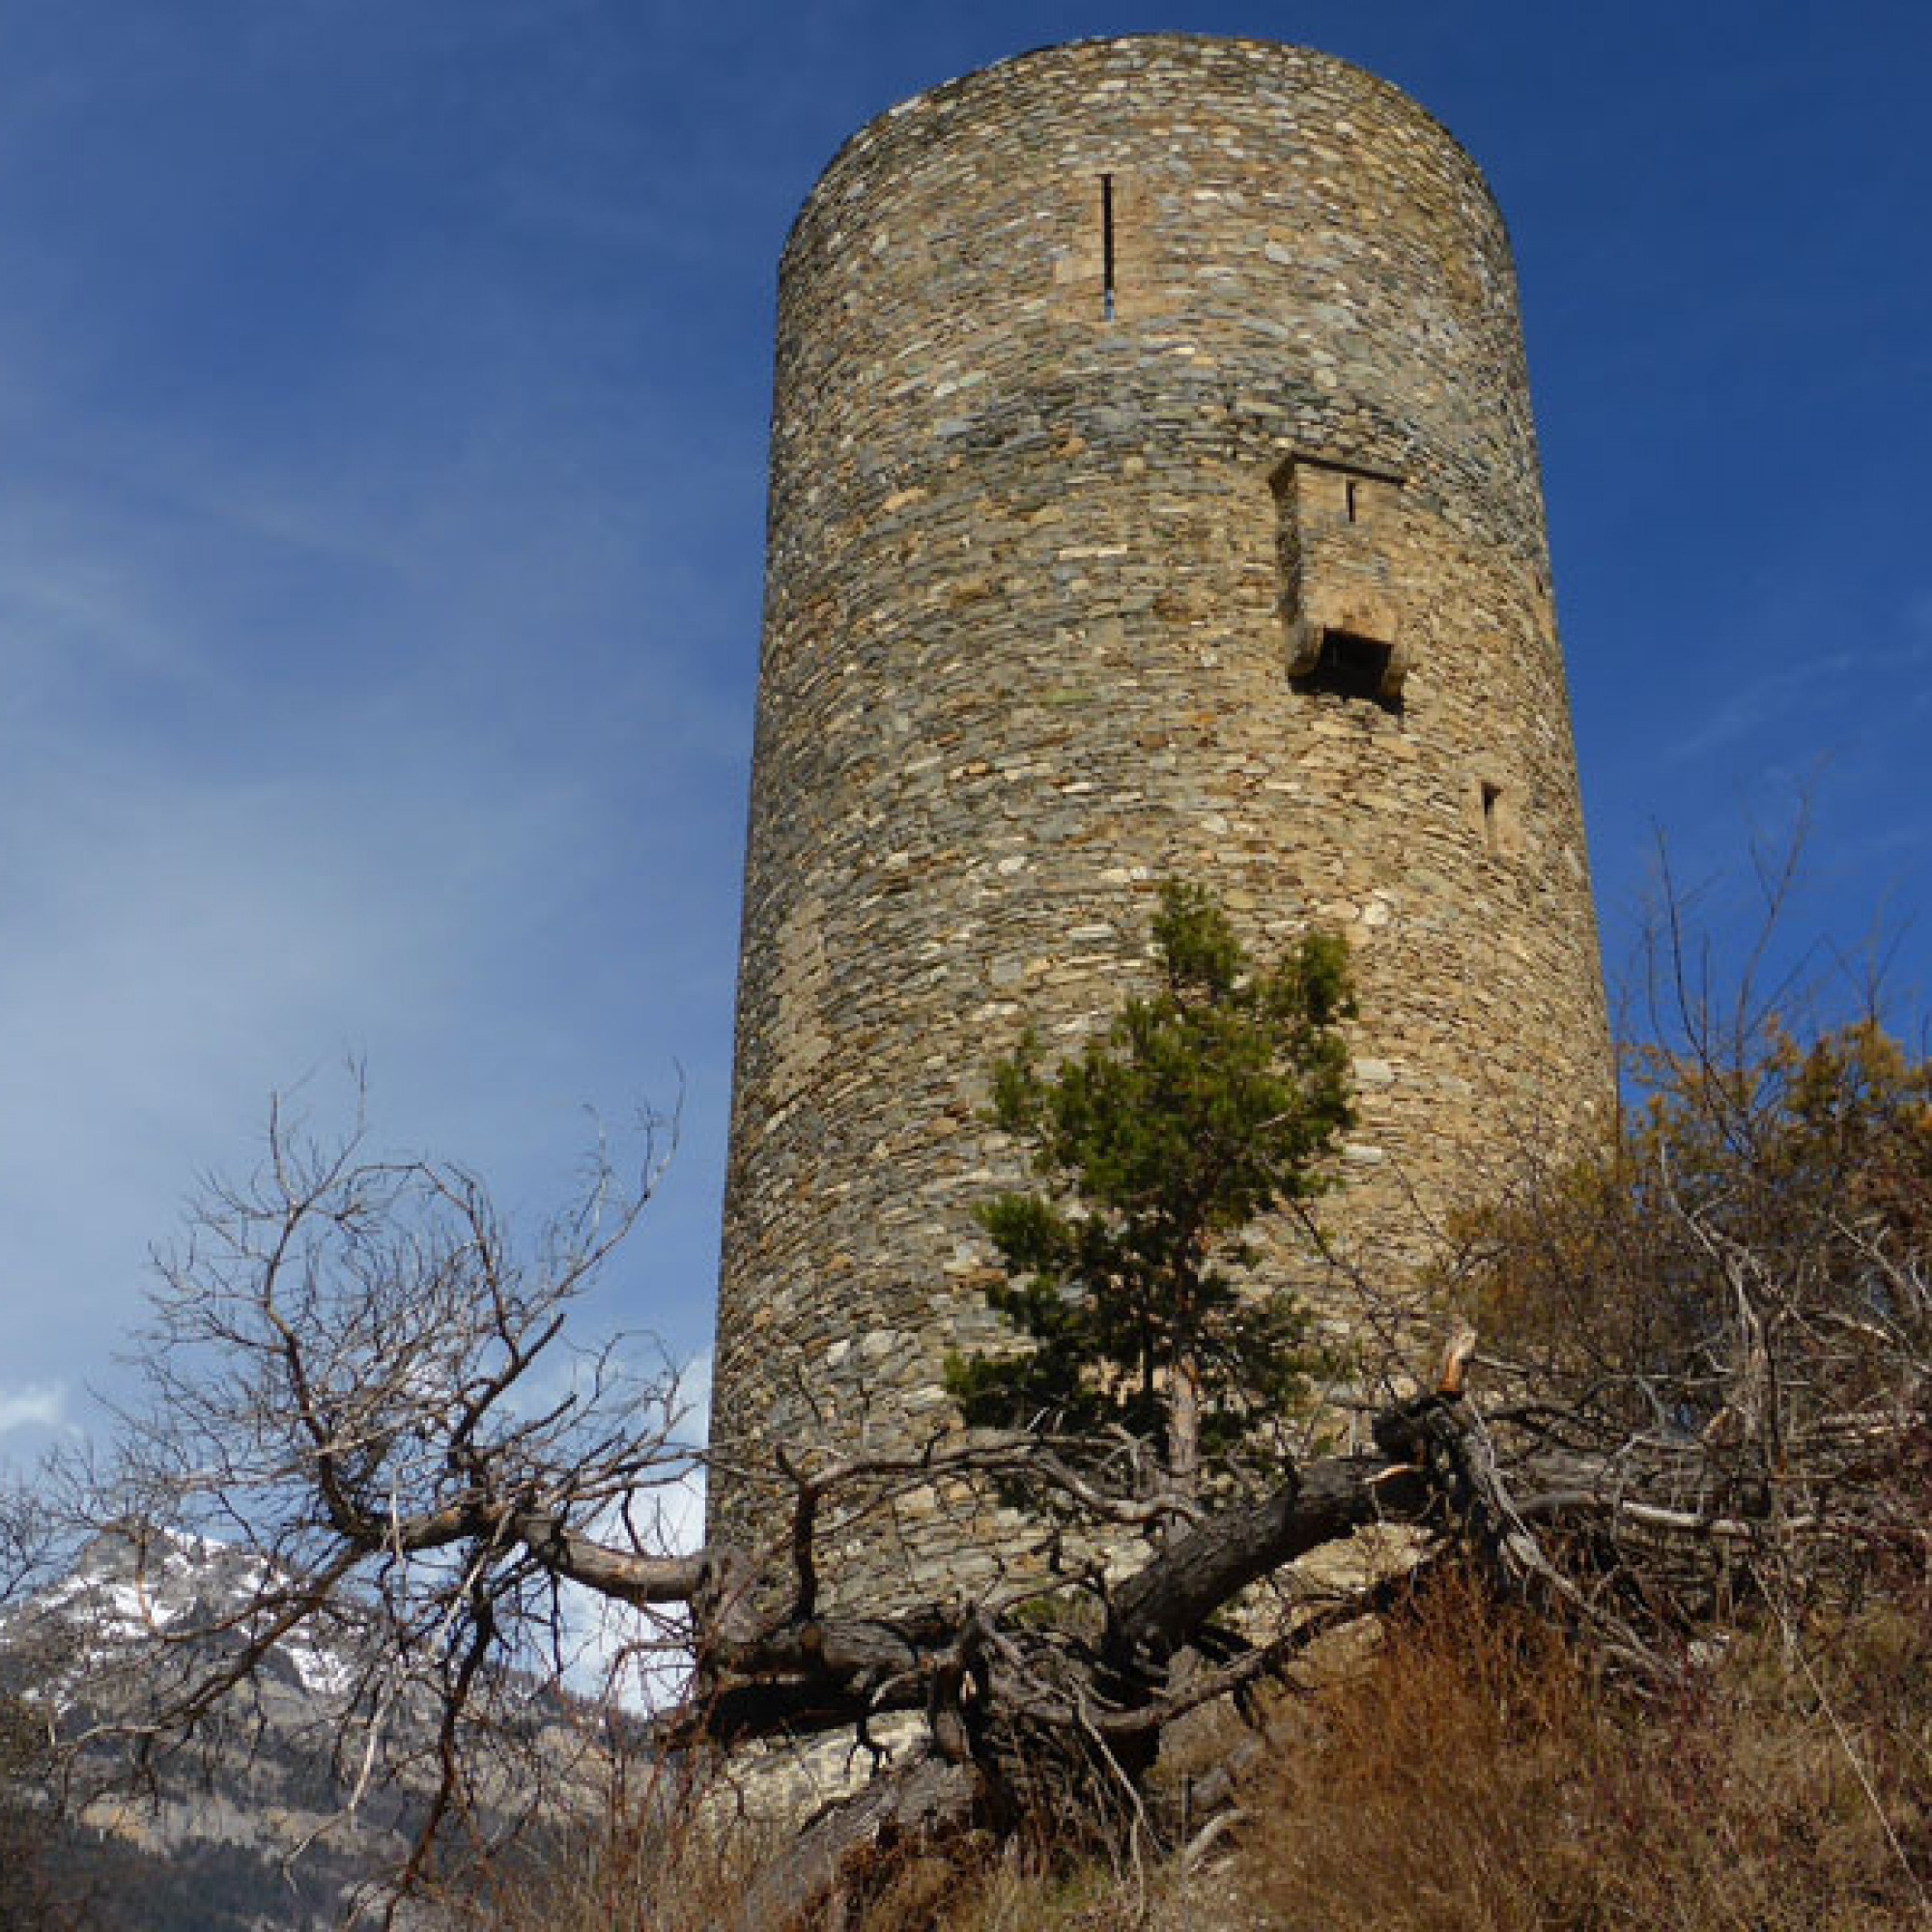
(1127, 49)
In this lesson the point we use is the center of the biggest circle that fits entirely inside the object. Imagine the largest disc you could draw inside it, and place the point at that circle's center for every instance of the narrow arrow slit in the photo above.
(1107, 247)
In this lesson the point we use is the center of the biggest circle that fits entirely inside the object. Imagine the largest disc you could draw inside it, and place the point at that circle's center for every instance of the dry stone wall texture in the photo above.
(1154, 494)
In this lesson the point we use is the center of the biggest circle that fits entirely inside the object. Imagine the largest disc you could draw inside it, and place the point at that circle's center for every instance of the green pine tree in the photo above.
(1199, 1109)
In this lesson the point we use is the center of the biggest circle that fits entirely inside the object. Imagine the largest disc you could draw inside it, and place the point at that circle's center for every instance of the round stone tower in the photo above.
(1153, 494)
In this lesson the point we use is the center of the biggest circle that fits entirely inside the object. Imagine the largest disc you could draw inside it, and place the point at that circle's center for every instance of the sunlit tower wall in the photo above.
(1154, 494)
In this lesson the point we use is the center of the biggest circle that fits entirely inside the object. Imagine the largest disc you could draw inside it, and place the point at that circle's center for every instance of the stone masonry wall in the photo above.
(1111, 382)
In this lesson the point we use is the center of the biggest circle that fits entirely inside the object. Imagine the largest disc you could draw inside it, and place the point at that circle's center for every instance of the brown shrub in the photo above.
(1478, 1775)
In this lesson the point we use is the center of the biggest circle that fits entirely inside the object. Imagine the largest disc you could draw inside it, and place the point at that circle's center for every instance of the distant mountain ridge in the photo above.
(249, 1832)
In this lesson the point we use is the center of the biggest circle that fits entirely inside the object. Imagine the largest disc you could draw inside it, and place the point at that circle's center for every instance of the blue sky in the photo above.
(383, 402)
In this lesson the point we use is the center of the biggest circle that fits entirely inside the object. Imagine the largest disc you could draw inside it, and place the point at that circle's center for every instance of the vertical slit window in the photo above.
(1107, 247)
(1491, 831)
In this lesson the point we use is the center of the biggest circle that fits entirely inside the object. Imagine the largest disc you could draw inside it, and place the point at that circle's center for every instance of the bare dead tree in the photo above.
(358, 1384)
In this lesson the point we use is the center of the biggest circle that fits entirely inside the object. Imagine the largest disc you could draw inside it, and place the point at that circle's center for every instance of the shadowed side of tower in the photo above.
(1154, 494)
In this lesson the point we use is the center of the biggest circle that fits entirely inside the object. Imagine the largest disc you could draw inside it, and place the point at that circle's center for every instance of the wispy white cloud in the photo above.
(225, 861)
(37, 1405)
(378, 732)
(1808, 689)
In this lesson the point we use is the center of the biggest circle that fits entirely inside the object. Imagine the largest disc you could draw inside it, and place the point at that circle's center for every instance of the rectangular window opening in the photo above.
(1349, 488)
(1350, 667)
(1107, 247)
(1491, 827)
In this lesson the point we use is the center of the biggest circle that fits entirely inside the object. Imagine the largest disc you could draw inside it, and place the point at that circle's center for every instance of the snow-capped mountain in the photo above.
(252, 1830)
(128, 1588)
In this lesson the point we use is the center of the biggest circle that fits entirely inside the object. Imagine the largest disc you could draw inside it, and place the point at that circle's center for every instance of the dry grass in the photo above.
(1477, 1776)
(1022, 1892)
